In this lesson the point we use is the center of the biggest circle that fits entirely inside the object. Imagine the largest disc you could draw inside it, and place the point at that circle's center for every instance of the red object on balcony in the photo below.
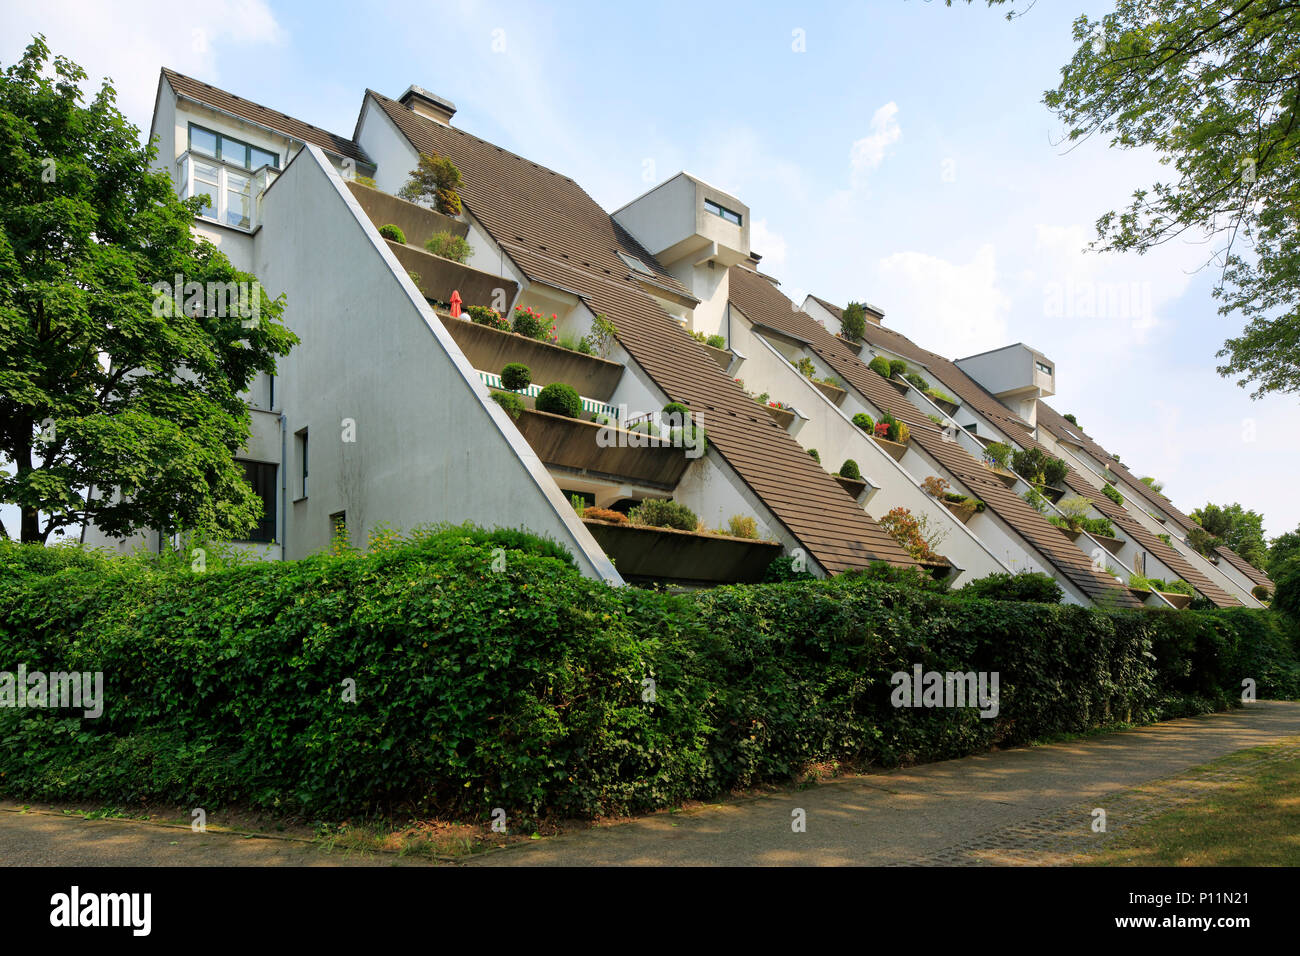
(455, 304)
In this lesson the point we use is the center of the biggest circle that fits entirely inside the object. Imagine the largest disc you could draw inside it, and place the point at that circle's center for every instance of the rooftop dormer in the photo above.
(686, 220)
(1015, 375)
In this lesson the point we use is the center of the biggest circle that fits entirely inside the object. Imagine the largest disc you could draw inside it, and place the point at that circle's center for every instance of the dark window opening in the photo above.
(261, 478)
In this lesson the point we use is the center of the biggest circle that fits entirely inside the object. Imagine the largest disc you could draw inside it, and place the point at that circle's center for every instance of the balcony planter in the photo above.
(572, 444)
(1072, 535)
(1009, 478)
(895, 450)
(856, 347)
(949, 408)
(1113, 545)
(417, 223)
(854, 486)
(1179, 601)
(666, 554)
(961, 514)
(490, 350)
(782, 416)
(721, 356)
(834, 393)
(1051, 494)
(440, 277)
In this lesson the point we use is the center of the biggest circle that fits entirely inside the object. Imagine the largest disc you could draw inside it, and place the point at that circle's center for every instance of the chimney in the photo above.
(873, 315)
(419, 100)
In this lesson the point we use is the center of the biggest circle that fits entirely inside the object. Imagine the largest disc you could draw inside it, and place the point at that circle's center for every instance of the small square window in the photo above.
(203, 141)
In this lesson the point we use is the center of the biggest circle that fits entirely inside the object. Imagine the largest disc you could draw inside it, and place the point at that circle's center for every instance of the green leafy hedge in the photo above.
(490, 673)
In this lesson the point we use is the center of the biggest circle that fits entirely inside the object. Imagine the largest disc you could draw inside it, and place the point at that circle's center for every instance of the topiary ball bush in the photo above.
(879, 365)
(850, 470)
(559, 399)
(389, 231)
(516, 377)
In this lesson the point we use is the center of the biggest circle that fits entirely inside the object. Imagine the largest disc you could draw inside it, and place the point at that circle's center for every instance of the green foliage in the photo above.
(853, 322)
(1071, 419)
(677, 413)
(603, 336)
(1101, 526)
(1238, 528)
(664, 513)
(998, 454)
(483, 682)
(879, 365)
(559, 399)
(812, 453)
(805, 367)
(863, 421)
(1022, 586)
(448, 246)
(939, 395)
(892, 426)
(1035, 466)
(1111, 492)
(532, 324)
(516, 377)
(742, 526)
(390, 231)
(509, 401)
(782, 569)
(1036, 499)
(1286, 597)
(482, 315)
(897, 367)
(909, 576)
(850, 470)
(89, 229)
(918, 381)
(1203, 541)
(716, 341)
(1207, 88)
(1154, 485)
(1284, 546)
(435, 180)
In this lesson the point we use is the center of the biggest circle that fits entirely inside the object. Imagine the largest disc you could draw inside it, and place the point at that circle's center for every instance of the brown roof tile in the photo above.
(762, 302)
(1244, 566)
(557, 234)
(256, 113)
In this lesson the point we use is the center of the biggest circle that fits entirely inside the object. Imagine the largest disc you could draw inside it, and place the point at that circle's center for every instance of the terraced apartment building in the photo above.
(385, 414)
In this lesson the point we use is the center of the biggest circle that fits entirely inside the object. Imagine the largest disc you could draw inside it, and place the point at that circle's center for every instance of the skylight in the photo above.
(636, 264)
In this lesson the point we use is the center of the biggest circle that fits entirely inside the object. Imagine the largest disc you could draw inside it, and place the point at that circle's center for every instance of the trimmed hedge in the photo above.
(490, 673)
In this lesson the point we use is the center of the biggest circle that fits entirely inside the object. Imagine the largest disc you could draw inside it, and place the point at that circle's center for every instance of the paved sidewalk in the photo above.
(1012, 806)
(1028, 805)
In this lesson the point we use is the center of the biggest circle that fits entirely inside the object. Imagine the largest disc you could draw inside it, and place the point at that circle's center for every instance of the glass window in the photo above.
(203, 140)
(261, 477)
(234, 151)
(239, 201)
(1045, 369)
(261, 157)
(723, 211)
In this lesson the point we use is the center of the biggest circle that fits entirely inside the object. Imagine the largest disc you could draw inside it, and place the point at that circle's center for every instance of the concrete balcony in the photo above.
(438, 278)
(682, 557)
(417, 223)
(490, 350)
(601, 451)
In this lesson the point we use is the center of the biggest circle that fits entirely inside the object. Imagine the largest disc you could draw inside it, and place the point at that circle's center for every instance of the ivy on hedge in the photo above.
(521, 686)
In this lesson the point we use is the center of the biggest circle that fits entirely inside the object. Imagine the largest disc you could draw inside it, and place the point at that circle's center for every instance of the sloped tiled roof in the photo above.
(762, 302)
(951, 377)
(557, 234)
(1244, 566)
(256, 113)
(1056, 423)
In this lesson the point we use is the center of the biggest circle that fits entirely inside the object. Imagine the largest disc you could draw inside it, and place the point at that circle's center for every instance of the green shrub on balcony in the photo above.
(850, 470)
(448, 246)
(482, 315)
(998, 454)
(813, 454)
(533, 324)
(879, 365)
(434, 180)
(897, 367)
(1111, 492)
(661, 513)
(516, 377)
(742, 526)
(559, 399)
(510, 402)
(918, 381)
(393, 233)
(863, 421)
(853, 322)
(716, 342)
(1024, 586)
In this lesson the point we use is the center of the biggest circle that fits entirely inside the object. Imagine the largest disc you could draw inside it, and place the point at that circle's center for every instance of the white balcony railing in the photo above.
(233, 194)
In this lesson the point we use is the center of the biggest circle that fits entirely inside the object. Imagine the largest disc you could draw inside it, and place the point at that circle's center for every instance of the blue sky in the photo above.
(902, 157)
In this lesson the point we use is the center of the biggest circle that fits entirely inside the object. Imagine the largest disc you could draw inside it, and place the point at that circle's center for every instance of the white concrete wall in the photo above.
(429, 444)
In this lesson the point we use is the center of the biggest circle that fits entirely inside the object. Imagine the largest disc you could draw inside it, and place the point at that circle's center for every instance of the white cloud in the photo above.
(130, 45)
(768, 244)
(869, 152)
(955, 309)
